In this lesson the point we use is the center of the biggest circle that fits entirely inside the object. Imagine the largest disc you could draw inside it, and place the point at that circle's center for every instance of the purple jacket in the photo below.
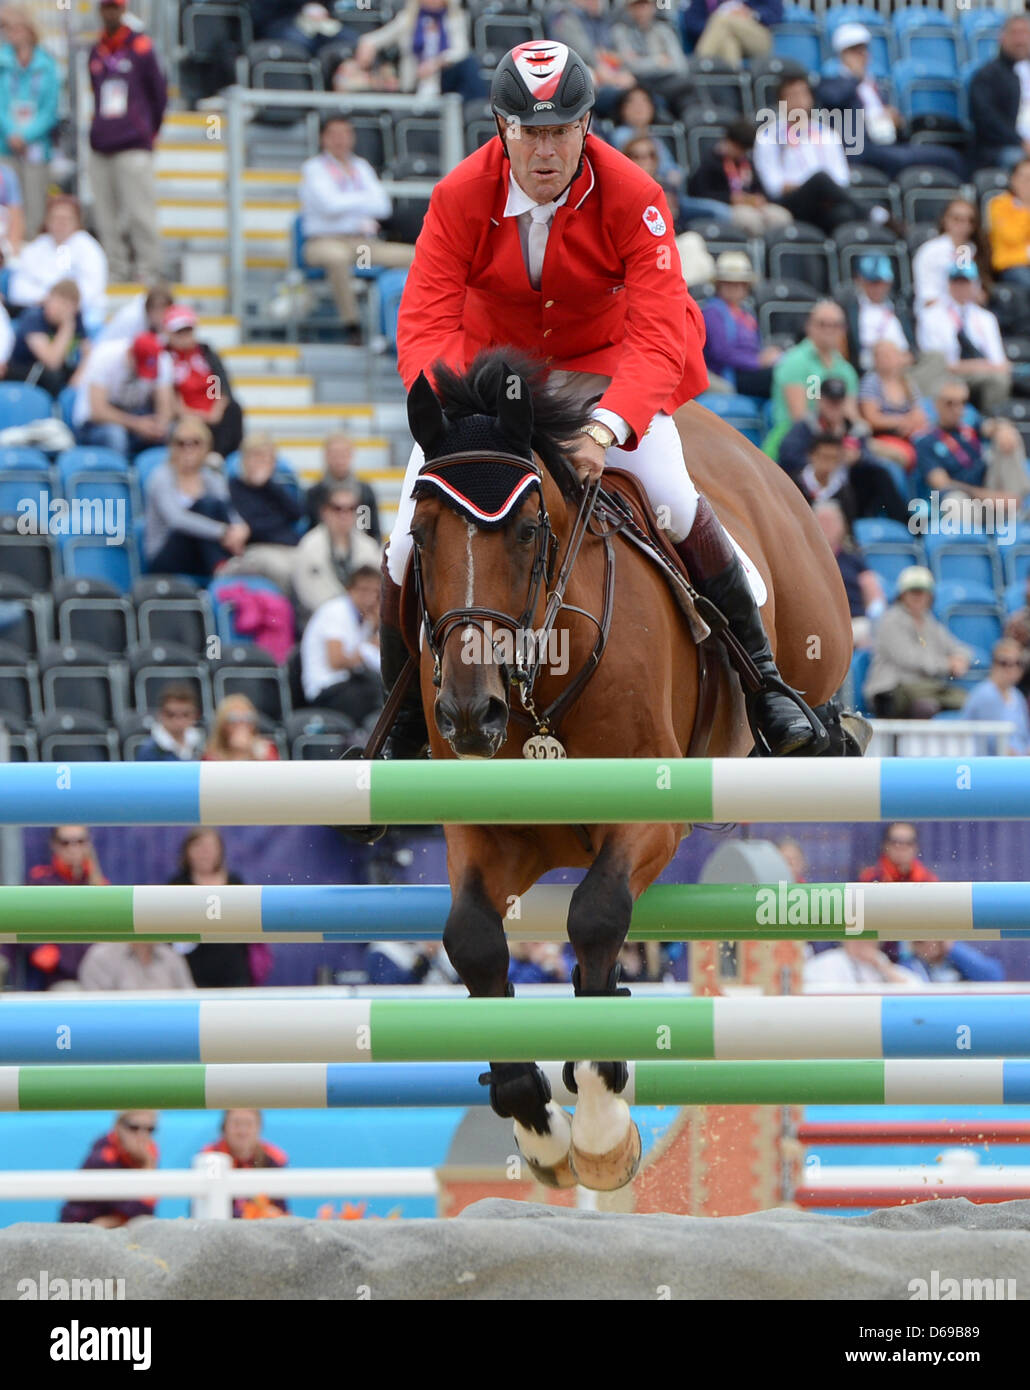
(731, 342)
(106, 1153)
(129, 93)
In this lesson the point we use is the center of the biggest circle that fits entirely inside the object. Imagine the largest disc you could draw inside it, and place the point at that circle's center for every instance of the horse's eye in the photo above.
(526, 532)
(418, 537)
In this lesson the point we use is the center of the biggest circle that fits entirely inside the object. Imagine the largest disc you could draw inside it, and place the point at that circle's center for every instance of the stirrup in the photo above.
(775, 684)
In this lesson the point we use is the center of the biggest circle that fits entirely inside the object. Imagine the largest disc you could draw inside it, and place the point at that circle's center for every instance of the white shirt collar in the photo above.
(519, 200)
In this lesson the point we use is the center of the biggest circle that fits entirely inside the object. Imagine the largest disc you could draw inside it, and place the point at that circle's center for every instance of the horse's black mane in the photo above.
(557, 415)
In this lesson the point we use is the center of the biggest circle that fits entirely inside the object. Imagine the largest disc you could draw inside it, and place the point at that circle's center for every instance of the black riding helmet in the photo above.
(542, 83)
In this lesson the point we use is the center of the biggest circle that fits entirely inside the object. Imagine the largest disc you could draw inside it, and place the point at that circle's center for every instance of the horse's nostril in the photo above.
(445, 714)
(494, 715)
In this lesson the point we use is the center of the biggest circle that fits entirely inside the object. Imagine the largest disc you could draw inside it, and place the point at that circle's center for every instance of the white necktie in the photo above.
(538, 232)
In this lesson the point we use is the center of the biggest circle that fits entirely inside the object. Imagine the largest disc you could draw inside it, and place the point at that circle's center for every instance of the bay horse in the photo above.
(497, 503)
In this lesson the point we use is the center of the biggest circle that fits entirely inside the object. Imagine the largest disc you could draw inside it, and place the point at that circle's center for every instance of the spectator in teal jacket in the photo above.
(29, 87)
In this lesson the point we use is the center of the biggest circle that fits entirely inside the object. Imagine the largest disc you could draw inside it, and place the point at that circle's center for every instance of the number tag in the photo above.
(543, 746)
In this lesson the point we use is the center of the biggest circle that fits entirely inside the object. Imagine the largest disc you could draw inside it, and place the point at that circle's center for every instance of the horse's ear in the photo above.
(514, 406)
(426, 419)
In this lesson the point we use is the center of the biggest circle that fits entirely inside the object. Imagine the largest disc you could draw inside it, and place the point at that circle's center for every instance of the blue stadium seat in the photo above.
(89, 558)
(1015, 598)
(977, 626)
(923, 90)
(881, 46)
(147, 461)
(24, 459)
(21, 404)
(111, 487)
(21, 486)
(952, 592)
(799, 38)
(81, 460)
(979, 30)
(66, 404)
(856, 678)
(927, 38)
(964, 559)
(297, 247)
(391, 287)
(1016, 561)
(889, 558)
(868, 529)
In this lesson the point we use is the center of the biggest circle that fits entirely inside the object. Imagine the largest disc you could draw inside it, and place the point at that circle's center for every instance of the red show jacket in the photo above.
(612, 297)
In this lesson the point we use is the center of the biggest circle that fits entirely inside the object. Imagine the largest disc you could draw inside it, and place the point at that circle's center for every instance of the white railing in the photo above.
(937, 738)
(212, 1183)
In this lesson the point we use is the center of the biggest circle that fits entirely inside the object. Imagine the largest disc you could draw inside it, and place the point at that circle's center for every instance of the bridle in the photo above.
(524, 671)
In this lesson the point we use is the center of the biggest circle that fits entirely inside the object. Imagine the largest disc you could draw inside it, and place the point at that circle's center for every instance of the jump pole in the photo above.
(514, 791)
(72, 1031)
(418, 912)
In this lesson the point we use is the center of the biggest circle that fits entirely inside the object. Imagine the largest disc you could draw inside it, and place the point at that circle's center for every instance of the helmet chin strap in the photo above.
(579, 165)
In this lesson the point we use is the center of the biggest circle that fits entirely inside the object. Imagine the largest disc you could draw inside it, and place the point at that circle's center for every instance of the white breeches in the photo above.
(657, 461)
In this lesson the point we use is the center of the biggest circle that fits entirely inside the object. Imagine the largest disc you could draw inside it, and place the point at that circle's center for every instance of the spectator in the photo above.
(174, 736)
(202, 386)
(999, 99)
(726, 174)
(73, 860)
(733, 346)
(583, 27)
(997, 698)
(799, 374)
(332, 550)
(29, 90)
(241, 1140)
(825, 475)
(338, 467)
(866, 599)
(899, 860)
(235, 737)
(643, 151)
(114, 965)
(269, 508)
(959, 239)
(947, 962)
(915, 658)
(968, 337)
(832, 415)
(801, 163)
(1008, 225)
(1017, 629)
(342, 203)
(794, 854)
(879, 128)
(408, 963)
(650, 48)
(339, 652)
(12, 213)
(889, 406)
(432, 36)
(538, 963)
(729, 30)
(873, 316)
(125, 400)
(294, 21)
(191, 526)
(63, 251)
(951, 458)
(129, 95)
(144, 313)
(50, 347)
(129, 1144)
(855, 963)
(634, 117)
(212, 965)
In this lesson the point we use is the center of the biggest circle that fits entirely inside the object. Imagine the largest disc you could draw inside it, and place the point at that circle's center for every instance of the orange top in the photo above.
(1008, 223)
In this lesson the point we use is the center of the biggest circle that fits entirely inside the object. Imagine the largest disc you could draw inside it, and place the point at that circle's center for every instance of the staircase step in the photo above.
(308, 420)
(306, 456)
(268, 392)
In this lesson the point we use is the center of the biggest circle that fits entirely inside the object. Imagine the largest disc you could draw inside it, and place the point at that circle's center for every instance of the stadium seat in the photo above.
(926, 38)
(19, 686)
(867, 529)
(186, 621)
(766, 76)
(24, 459)
(319, 734)
(133, 730)
(88, 558)
(92, 611)
(246, 669)
(783, 307)
(963, 559)
(223, 611)
(25, 616)
(146, 461)
(405, 222)
(80, 676)
(82, 460)
(921, 88)
(872, 188)
(35, 559)
(76, 736)
(951, 593)
(276, 65)
(856, 239)
(979, 626)
(1011, 305)
(722, 84)
(152, 667)
(979, 30)
(66, 404)
(418, 135)
(494, 34)
(705, 123)
(1015, 597)
(799, 38)
(800, 252)
(926, 192)
(21, 743)
(1015, 561)
(889, 558)
(856, 678)
(21, 404)
(20, 488)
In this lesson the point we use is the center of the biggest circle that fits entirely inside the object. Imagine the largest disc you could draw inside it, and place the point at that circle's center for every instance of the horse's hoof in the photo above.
(551, 1166)
(609, 1171)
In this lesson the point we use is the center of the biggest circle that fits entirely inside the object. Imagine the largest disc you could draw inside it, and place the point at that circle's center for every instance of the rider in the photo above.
(550, 240)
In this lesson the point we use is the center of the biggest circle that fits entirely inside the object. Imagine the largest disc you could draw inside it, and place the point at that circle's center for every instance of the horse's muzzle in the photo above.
(476, 730)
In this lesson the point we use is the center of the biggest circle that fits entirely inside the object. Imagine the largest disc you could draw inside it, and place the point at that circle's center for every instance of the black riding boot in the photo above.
(718, 575)
(408, 735)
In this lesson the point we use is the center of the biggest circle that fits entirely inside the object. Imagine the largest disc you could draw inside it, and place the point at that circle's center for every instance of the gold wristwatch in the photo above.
(600, 434)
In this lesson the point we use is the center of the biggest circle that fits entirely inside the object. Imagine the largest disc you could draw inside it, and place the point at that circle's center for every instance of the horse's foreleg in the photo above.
(605, 1141)
(475, 943)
